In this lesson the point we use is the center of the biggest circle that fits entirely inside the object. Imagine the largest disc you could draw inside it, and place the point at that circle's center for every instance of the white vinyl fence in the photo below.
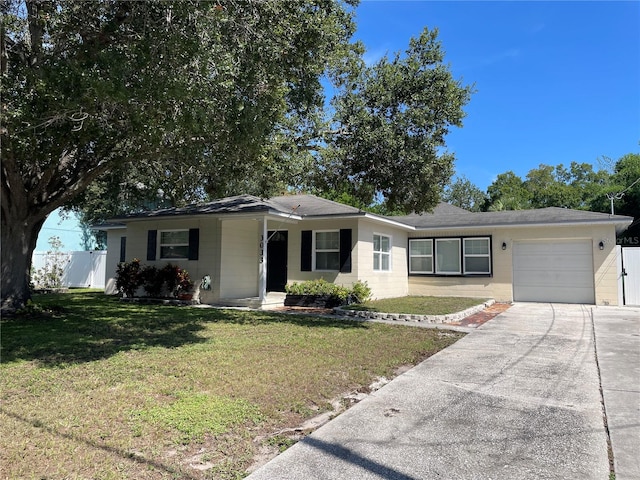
(80, 269)
(629, 275)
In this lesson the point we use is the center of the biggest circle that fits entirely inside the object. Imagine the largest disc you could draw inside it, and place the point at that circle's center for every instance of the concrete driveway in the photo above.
(519, 397)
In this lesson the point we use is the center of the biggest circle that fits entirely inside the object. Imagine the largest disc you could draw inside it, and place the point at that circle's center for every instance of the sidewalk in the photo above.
(617, 332)
(519, 397)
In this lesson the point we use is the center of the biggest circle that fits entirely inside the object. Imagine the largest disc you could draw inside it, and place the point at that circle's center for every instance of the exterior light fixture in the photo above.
(504, 245)
(601, 245)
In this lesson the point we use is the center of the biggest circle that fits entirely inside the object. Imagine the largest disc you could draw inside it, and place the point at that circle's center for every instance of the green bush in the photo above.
(129, 277)
(360, 291)
(169, 279)
(152, 281)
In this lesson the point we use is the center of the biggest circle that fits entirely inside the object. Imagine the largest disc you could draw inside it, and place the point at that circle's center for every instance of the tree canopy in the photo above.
(139, 104)
(464, 194)
(389, 128)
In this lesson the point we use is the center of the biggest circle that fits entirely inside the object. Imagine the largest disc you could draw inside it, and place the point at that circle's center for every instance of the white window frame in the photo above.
(466, 255)
(160, 244)
(381, 253)
(448, 272)
(327, 250)
(429, 272)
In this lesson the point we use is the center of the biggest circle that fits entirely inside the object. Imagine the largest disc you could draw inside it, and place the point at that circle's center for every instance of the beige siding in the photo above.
(208, 262)
(240, 258)
(383, 284)
(294, 272)
(499, 286)
(113, 258)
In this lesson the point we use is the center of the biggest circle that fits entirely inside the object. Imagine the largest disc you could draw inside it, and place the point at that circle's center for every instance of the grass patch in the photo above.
(195, 414)
(415, 305)
(96, 388)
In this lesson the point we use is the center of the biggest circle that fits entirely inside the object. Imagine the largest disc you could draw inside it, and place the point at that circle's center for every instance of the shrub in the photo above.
(129, 277)
(360, 291)
(152, 281)
(51, 274)
(176, 279)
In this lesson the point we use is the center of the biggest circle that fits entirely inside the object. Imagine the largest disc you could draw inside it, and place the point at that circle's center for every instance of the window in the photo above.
(448, 256)
(174, 244)
(421, 256)
(327, 250)
(476, 256)
(381, 253)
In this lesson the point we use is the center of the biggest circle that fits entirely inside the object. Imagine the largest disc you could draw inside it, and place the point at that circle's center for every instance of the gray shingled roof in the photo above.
(443, 216)
(300, 205)
(312, 206)
(551, 215)
(237, 204)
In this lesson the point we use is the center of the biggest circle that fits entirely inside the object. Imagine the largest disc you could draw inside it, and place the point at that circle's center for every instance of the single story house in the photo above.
(246, 248)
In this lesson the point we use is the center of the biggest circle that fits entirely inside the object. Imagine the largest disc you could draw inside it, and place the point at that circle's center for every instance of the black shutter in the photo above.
(345, 250)
(123, 249)
(305, 251)
(194, 243)
(152, 240)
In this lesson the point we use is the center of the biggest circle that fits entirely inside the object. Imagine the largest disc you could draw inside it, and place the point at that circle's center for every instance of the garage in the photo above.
(553, 271)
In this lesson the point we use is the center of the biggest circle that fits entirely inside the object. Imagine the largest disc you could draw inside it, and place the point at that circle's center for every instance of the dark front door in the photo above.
(277, 249)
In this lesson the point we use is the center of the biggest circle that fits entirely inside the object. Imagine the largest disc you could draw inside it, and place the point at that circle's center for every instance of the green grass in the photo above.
(419, 305)
(96, 388)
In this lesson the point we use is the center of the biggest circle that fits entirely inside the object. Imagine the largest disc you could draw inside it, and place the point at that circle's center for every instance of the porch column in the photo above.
(262, 271)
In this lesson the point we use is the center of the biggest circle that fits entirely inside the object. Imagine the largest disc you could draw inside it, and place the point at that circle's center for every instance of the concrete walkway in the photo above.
(517, 398)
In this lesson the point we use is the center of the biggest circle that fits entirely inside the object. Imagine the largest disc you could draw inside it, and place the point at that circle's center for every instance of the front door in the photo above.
(277, 251)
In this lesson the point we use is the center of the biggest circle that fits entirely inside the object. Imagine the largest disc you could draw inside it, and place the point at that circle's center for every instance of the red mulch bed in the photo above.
(484, 316)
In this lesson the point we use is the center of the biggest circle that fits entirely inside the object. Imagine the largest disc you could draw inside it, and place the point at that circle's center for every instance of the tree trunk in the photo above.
(19, 237)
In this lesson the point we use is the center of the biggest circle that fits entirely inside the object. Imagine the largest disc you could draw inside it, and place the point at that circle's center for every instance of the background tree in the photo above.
(464, 194)
(389, 128)
(572, 187)
(172, 88)
(507, 192)
(624, 188)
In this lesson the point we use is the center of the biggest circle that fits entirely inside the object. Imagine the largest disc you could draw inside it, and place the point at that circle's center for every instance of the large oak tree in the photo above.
(93, 87)
(113, 106)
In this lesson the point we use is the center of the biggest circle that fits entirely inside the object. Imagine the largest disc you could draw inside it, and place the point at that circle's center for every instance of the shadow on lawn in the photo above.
(83, 327)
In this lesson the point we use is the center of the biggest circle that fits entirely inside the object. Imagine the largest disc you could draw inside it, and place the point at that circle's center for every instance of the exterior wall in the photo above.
(240, 258)
(294, 273)
(113, 257)
(499, 285)
(208, 262)
(383, 284)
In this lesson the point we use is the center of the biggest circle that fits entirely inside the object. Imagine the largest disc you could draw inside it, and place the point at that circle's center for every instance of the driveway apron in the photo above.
(517, 398)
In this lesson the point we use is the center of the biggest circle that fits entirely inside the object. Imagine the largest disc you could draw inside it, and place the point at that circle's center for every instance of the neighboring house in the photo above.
(249, 247)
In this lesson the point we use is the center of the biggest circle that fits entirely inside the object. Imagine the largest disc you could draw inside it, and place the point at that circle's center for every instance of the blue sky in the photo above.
(556, 82)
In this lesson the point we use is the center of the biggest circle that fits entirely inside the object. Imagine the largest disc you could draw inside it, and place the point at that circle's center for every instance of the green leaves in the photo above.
(391, 121)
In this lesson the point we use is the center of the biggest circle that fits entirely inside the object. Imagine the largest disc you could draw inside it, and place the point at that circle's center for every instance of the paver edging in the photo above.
(404, 317)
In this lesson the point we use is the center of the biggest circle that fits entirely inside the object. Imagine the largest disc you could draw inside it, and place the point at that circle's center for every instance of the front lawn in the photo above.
(419, 305)
(96, 388)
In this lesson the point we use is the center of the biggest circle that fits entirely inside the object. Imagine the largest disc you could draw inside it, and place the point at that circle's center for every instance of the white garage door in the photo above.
(553, 271)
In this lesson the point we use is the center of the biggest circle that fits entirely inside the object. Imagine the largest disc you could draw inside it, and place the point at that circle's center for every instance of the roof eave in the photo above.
(619, 224)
